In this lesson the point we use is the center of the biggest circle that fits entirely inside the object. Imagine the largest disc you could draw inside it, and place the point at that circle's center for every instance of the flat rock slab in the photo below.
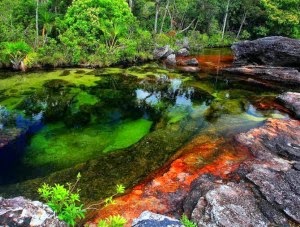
(291, 100)
(149, 219)
(19, 211)
(274, 51)
(283, 75)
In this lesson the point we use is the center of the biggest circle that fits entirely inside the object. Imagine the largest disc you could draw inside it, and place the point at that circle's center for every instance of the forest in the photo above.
(97, 33)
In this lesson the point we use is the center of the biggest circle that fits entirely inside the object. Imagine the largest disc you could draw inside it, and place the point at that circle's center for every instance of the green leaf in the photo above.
(120, 189)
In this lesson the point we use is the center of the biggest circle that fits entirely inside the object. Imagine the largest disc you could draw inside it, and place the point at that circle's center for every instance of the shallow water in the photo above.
(117, 125)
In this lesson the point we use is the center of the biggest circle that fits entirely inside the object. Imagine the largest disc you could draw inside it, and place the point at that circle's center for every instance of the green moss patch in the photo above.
(60, 147)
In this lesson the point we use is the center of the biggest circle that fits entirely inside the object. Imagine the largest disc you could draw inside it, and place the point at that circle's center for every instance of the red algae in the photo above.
(203, 155)
(211, 63)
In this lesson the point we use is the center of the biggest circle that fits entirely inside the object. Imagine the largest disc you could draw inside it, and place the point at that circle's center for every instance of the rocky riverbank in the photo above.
(270, 59)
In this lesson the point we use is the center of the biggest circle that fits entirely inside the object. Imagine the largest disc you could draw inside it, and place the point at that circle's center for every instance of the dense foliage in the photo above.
(103, 32)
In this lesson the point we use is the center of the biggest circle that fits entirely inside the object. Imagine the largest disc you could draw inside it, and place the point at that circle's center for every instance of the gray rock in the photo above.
(275, 51)
(282, 189)
(291, 100)
(23, 212)
(162, 52)
(149, 219)
(283, 75)
(297, 166)
(171, 60)
(183, 52)
(215, 203)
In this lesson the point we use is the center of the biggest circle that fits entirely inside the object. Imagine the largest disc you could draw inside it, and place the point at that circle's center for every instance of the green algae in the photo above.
(61, 147)
(128, 134)
(24, 84)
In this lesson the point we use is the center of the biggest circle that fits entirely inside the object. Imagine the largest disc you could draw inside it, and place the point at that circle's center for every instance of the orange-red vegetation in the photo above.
(202, 155)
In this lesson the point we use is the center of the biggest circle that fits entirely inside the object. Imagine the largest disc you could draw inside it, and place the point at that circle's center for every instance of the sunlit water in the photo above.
(116, 125)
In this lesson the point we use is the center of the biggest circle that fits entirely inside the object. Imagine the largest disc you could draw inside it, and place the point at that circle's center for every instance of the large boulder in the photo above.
(23, 212)
(291, 100)
(148, 219)
(274, 51)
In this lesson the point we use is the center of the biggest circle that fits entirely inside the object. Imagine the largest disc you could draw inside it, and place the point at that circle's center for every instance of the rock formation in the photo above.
(23, 212)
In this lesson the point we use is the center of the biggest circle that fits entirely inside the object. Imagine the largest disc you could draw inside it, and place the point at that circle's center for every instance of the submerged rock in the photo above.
(148, 219)
(274, 51)
(189, 69)
(23, 212)
(276, 74)
(9, 135)
(291, 100)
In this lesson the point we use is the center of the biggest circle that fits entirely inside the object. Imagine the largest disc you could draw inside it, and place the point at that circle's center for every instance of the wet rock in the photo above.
(212, 202)
(275, 146)
(192, 62)
(291, 100)
(274, 51)
(268, 73)
(275, 137)
(282, 189)
(22, 212)
(149, 219)
(183, 52)
(171, 60)
(189, 69)
(162, 52)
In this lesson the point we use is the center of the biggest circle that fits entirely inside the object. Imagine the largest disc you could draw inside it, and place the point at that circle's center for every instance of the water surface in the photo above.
(117, 125)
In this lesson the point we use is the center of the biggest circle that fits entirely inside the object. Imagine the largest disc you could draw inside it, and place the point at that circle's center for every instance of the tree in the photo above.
(90, 22)
(283, 16)
(15, 52)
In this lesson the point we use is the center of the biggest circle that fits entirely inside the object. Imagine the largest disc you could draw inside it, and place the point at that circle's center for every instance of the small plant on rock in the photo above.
(113, 221)
(64, 201)
(186, 222)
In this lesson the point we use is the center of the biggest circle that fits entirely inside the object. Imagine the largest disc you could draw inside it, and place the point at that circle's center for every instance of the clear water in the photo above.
(116, 125)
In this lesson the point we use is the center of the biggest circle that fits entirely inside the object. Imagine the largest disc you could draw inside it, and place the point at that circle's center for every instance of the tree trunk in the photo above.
(164, 17)
(241, 26)
(225, 19)
(37, 23)
(130, 3)
(156, 15)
